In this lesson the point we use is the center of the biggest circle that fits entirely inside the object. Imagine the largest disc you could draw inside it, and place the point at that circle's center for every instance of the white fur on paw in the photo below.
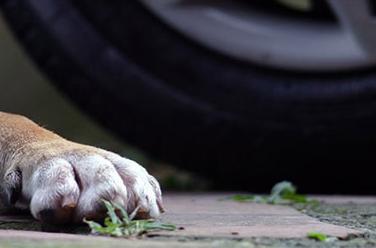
(52, 186)
(144, 191)
(99, 181)
(71, 186)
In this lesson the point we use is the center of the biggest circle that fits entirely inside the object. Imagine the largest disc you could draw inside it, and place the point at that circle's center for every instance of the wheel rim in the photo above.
(243, 32)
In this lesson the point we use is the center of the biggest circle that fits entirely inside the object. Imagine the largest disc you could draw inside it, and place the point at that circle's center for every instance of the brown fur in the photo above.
(25, 147)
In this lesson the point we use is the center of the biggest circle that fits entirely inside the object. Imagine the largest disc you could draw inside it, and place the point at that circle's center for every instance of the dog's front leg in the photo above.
(62, 181)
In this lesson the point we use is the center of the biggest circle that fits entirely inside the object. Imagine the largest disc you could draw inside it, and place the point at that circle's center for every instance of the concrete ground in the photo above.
(211, 220)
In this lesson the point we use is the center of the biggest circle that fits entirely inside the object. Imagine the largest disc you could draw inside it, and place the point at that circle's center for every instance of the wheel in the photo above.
(244, 98)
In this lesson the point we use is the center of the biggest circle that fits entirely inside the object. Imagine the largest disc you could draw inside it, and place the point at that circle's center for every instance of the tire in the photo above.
(243, 126)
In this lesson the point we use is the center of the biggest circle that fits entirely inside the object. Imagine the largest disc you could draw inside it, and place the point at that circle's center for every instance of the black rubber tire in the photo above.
(244, 126)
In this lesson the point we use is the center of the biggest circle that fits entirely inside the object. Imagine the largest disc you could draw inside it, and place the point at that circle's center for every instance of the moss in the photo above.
(352, 215)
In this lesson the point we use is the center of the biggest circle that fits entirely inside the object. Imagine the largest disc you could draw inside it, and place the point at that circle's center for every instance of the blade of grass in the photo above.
(111, 212)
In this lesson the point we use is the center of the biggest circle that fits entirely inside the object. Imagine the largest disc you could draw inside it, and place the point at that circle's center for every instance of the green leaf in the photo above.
(296, 198)
(125, 227)
(242, 198)
(111, 212)
(111, 225)
(317, 236)
(282, 193)
(125, 217)
(95, 227)
(160, 226)
(280, 190)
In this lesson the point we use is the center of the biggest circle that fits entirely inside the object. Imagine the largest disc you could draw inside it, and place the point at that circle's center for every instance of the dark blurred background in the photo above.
(25, 90)
(246, 93)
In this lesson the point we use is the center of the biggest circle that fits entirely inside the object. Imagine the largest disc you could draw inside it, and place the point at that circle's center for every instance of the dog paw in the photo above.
(69, 185)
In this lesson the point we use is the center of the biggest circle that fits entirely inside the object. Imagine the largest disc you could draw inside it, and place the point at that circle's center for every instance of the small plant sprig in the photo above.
(125, 226)
(282, 193)
(317, 236)
(321, 237)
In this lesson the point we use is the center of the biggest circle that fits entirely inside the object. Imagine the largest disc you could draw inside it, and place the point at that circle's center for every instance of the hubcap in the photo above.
(296, 40)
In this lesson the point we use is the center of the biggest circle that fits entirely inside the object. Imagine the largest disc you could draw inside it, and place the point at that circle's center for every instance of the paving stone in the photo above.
(200, 215)
(211, 215)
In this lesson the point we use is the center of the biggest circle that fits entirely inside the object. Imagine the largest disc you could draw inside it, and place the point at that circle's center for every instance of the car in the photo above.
(246, 93)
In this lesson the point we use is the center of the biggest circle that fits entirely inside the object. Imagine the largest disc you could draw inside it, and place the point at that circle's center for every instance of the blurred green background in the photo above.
(24, 90)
